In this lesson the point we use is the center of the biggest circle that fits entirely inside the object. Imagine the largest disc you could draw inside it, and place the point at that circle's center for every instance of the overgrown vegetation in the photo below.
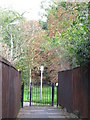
(61, 42)
(68, 29)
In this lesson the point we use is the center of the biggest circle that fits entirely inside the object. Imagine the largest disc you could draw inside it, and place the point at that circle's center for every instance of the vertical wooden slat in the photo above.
(73, 90)
(0, 90)
(11, 83)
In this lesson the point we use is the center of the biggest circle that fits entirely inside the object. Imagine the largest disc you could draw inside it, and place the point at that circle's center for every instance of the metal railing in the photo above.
(32, 94)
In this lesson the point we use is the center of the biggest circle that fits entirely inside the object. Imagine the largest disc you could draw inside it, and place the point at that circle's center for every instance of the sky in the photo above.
(31, 7)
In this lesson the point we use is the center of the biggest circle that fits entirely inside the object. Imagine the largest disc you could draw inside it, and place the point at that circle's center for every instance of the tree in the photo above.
(75, 39)
(10, 30)
(68, 30)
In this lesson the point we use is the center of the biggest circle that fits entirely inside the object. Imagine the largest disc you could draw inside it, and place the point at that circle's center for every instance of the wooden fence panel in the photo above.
(65, 89)
(11, 89)
(73, 90)
(80, 90)
(0, 90)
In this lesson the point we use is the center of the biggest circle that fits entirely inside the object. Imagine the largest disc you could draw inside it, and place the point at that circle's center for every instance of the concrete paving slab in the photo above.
(44, 112)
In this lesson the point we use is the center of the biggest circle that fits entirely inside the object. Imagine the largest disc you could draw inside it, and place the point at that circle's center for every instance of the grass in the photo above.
(35, 95)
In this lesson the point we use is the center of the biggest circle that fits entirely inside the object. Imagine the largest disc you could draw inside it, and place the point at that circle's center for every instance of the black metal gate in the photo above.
(32, 94)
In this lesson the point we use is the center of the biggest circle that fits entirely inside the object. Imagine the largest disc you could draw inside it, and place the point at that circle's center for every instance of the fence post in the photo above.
(52, 93)
(22, 97)
(30, 94)
(57, 95)
(57, 92)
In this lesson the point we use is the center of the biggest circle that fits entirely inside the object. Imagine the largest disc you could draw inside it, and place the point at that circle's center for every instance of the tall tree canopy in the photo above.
(68, 28)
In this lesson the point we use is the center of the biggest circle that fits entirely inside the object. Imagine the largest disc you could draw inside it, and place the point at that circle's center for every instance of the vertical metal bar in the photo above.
(47, 94)
(43, 93)
(52, 93)
(22, 90)
(36, 92)
(33, 92)
(26, 91)
(30, 94)
(57, 96)
(41, 87)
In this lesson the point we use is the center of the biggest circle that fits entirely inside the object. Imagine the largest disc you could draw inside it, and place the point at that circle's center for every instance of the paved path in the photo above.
(44, 112)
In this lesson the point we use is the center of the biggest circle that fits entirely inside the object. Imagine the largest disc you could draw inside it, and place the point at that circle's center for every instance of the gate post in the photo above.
(52, 93)
(57, 93)
(57, 96)
(30, 94)
(22, 92)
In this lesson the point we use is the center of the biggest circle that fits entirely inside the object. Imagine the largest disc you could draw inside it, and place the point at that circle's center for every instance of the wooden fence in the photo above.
(11, 89)
(73, 90)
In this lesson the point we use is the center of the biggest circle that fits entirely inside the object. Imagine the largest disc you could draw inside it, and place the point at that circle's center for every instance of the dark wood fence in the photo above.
(73, 89)
(11, 90)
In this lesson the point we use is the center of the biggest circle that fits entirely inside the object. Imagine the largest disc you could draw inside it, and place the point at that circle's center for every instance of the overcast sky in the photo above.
(32, 7)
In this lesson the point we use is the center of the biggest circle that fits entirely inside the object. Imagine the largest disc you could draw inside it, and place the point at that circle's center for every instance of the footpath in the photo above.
(45, 112)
